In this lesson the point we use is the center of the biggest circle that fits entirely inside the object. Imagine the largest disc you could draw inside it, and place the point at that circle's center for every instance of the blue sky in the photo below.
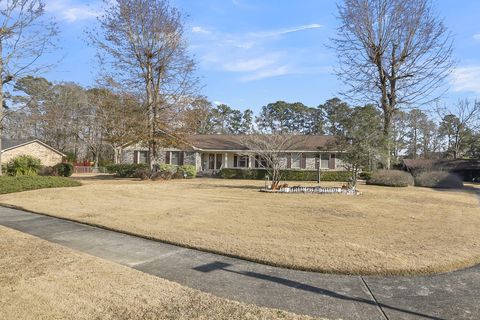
(250, 53)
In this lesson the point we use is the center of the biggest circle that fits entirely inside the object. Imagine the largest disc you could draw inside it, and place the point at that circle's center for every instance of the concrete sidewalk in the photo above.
(448, 296)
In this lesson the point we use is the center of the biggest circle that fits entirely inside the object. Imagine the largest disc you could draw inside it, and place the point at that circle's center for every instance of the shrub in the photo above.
(167, 167)
(46, 171)
(126, 170)
(162, 175)
(391, 178)
(23, 166)
(439, 179)
(187, 171)
(103, 163)
(365, 175)
(10, 184)
(142, 174)
(231, 173)
(63, 169)
(288, 175)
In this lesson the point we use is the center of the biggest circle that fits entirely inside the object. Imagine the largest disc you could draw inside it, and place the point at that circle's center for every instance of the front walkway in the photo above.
(447, 296)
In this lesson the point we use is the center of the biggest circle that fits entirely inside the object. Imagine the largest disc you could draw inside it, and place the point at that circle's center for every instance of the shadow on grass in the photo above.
(246, 187)
(468, 188)
(102, 177)
(221, 266)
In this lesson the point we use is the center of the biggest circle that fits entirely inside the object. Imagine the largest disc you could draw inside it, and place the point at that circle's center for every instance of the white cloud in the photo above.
(466, 79)
(255, 55)
(253, 64)
(69, 11)
(198, 29)
(268, 73)
(281, 32)
(476, 36)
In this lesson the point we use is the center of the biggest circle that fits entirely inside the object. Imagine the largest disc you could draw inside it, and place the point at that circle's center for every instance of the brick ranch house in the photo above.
(35, 148)
(211, 153)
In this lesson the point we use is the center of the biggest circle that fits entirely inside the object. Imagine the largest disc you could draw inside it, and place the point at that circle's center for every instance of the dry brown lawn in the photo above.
(41, 280)
(384, 231)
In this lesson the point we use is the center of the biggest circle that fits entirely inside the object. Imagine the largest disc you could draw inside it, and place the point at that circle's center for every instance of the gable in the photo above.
(8, 145)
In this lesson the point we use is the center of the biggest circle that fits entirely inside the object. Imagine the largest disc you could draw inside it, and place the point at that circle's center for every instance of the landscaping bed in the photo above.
(387, 230)
(10, 184)
(317, 190)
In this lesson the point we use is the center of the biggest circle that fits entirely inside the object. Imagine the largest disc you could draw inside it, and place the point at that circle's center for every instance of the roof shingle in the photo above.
(235, 142)
(11, 143)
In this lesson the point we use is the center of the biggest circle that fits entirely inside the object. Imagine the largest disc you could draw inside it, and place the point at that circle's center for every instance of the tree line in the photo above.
(451, 132)
(147, 73)
(91, 123)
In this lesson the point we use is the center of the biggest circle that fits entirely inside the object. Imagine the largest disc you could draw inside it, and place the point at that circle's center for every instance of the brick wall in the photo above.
(47, 156)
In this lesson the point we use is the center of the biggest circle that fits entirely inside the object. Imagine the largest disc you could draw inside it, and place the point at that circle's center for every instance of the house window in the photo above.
(296, 159)
(140, 156)
(240, 161)
(324, 161)
(175, 158)
(260, 162)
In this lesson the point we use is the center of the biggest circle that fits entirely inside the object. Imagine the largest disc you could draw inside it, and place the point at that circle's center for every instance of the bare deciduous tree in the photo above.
(119, 116)
(457, 125)
(143, 44)
(271, 151)
(393, 53)
(24, 38)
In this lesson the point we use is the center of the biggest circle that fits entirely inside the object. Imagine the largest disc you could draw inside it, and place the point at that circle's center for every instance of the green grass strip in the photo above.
(24, 183)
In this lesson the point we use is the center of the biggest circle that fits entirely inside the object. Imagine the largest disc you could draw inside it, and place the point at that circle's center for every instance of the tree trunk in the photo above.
(387, 124)
(151, 119)
(1, 105)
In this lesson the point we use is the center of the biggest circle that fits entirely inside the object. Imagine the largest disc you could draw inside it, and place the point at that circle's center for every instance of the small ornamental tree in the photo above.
(270, 150)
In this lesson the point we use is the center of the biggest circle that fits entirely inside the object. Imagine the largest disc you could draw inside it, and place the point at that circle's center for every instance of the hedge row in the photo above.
(10, 184)
(126, 170)
(164, 172)
(391, 178)
(439, 179)
(287, 175)
(429, 179)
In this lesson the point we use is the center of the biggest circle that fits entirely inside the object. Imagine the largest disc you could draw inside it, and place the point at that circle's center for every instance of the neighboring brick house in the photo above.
(211, 153)
(35, 148)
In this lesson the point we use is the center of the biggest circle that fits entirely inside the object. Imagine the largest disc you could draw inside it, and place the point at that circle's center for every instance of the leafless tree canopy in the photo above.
(24, 37)
(142, 43)
(458, 124)
(394, 49)
(270, 149)
(392, 53)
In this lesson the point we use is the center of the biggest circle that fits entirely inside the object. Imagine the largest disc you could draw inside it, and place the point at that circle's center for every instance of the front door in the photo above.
(219, 162)
(211, 161)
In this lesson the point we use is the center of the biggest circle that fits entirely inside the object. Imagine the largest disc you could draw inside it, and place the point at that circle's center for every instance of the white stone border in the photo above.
(315, 190)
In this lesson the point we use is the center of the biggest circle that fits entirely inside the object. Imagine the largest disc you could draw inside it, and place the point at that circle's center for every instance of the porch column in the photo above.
(225, 160)
(250, 161)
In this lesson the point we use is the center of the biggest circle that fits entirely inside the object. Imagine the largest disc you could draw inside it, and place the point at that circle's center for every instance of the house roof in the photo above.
(8, 144)
(237, 142)
(442, 164)
(12, 143)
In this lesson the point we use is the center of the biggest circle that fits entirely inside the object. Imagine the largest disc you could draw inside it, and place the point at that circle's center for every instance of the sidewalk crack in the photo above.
(379, 307)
